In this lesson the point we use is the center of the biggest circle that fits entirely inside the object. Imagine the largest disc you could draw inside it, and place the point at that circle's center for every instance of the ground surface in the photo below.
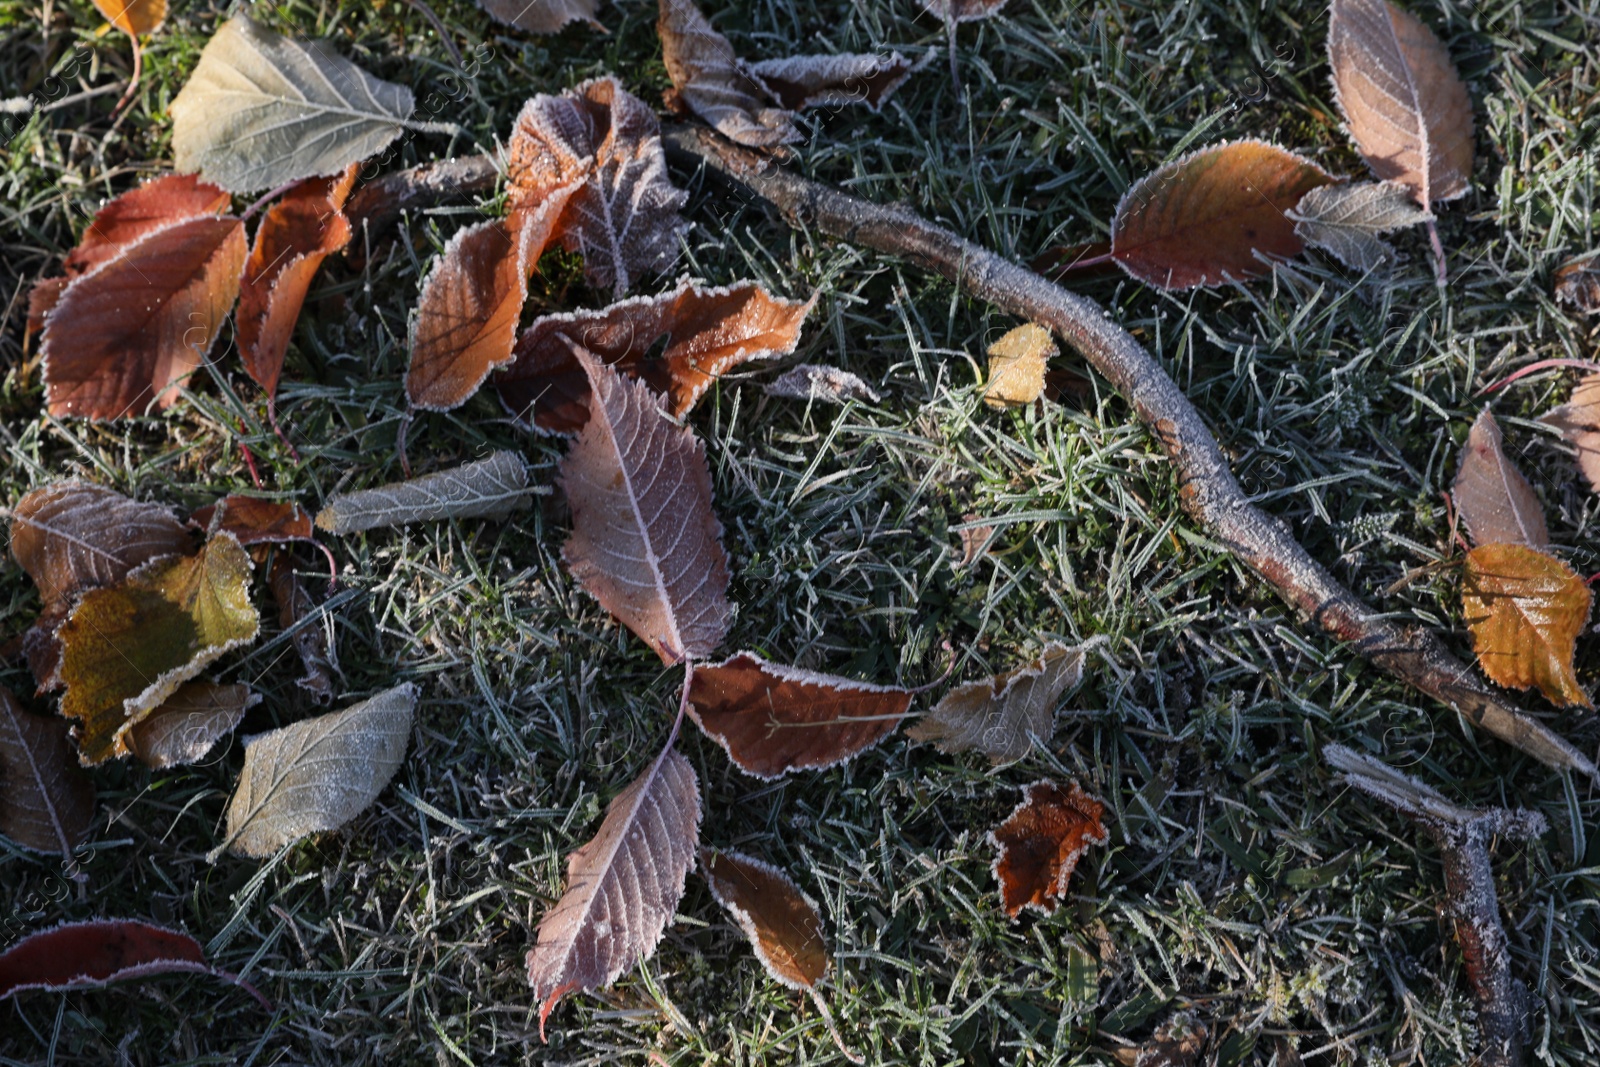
(1240, 882)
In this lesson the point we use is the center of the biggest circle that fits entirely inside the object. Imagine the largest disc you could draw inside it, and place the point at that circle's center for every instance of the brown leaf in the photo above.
(1579, 422)
(812, 381)
(305, 226)
(488, 488)
(645, 541)
(1016, 366)
(255, 520)
(1577, 282)
(543, 16)
(1003, 716)
(708, 332)
(1213, 215)
(715, 84)
(310, 638)
(1525, 610)
(774, 719)
(1402, 99)
(623, 885)
(134, 17)
(131, 330)
(88, 955)
(799, 82)
(47, 803)
(42, 648)
(1040, 843)
(189, 723)
(624, 217)
(964, 10)
(472, 301)
(781, 922)
(1491, 495)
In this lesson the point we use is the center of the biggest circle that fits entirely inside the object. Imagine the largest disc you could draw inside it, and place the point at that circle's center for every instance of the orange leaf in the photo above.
(1525, 610)
(130, 331)
(1491, 495)
(1040, 843)
(774, 719)
(305, 226)
(1579, 422)
(708, 332)
(1212, 215)
(134, 17)
(252, 519)
(781, 922)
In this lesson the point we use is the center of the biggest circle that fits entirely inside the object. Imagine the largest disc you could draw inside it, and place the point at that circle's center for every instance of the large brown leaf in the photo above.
(1491, 495)
(1525, 610)
(645, 542)
(624, 216)
(709, 80)
(774, 719)
(1040, 843)
(1401, 97)
(1579, 422)
(130, 331)
(1004, 716)
(1213, 216)
(46, 801)
(708, 332)
(623, 885)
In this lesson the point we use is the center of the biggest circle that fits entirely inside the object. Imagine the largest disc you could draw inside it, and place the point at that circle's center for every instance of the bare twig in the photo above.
(1209, 492)
(1474, 910)
(378, 203)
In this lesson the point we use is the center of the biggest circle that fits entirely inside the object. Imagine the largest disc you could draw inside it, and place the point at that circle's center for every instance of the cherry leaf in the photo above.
(89, 955)
(488, 488)
(1016, 366)
(189, 723)
(1349, 219)
(1578, 420)
(781, 922)
(1525, 610)
(1491, 495)
(709, 80)
(1040, 843)
(1004, 716)
(48, 802)
(543, 16)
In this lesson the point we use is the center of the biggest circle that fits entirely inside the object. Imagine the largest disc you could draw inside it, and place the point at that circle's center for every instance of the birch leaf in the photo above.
(781, 922)
(1004, 716)
(1578, 420)
(1401, 97)
(711, 81)
(623, 885)
(317, 774)
(1016, 366)
(47, 803)
(489, 488)
(645, 542)
(1491, 495)
(543, 16)
(1040, 843)
(1349, 220)
(799, 82)
(262, 110)
(1577, 283)
(773, 719)
(189, 723)
(1525, 611)
(812, 381)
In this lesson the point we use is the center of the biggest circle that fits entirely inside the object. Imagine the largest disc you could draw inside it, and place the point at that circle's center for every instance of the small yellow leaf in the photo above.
(1525, 610)
(1016, 366)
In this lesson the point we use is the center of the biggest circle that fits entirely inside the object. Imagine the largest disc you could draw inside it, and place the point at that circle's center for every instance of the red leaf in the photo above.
(48, 802)
(253, 520)
(1040, 843)
(306, 225)
(774, 719)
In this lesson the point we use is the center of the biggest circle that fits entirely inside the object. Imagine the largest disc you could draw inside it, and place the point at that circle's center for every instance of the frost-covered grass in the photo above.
(1294, 920)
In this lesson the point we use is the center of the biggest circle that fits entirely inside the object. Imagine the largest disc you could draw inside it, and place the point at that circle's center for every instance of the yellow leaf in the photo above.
(134, 17)
(1525, 610)
(1016, 366)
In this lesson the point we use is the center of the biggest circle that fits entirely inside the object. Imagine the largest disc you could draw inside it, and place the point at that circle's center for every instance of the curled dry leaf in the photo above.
(1578, 420)
(1577, 283)
(254, 520)
(1003, 716)
(488, 488)
(130, 331)
(89, 955)
(47, 803)
(709, 80)
(295, 612)
(126, 648)
(1040, 843)
(708, 332)
(317, 774)
(1491, 495)
(799, 82)
(472, 300)
(134, 17)
(1213, 216)
(773, 719)
(623, 885)
(645, 542)
(262, 110)
(623, 218)
(1016, 366)
(1525, 611)
(813, 381)
(1349, 220)
(301, 229)
(1402, 99)
(964, 10)
(543, 16)
(189, 723)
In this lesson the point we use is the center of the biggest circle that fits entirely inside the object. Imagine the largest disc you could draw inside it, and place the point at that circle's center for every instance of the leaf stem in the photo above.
(1441, 273)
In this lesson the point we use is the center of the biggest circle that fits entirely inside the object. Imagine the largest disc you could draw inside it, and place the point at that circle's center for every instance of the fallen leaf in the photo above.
(964, 10)
(488, 488)
(1177, 1042)
(1213, 216)
(1404, 103)
(623, 885)
(262, 110)
(128, 647)
(1040, 843)
(812, 381)
(781, 922)
(134, 17)
(1525, 611)
(1016, 366)
(310, 639)
(709, 80)
(645, 542)
(301, 229)
(1349, 219)
(255, 520)
(316, 774)
(800, 82)
(1579, 422)
(708, 332)
(543, 16)
(1491, 495)
(189, 723)
(47, 803)
(772, 719)
(130, 331)
(623, 218)
(1577, 283)
(1003, 716)
(89, 955)
(466, 322)
(975, 540)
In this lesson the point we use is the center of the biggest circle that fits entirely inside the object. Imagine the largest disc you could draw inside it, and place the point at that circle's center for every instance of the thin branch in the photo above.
(1208, 490)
